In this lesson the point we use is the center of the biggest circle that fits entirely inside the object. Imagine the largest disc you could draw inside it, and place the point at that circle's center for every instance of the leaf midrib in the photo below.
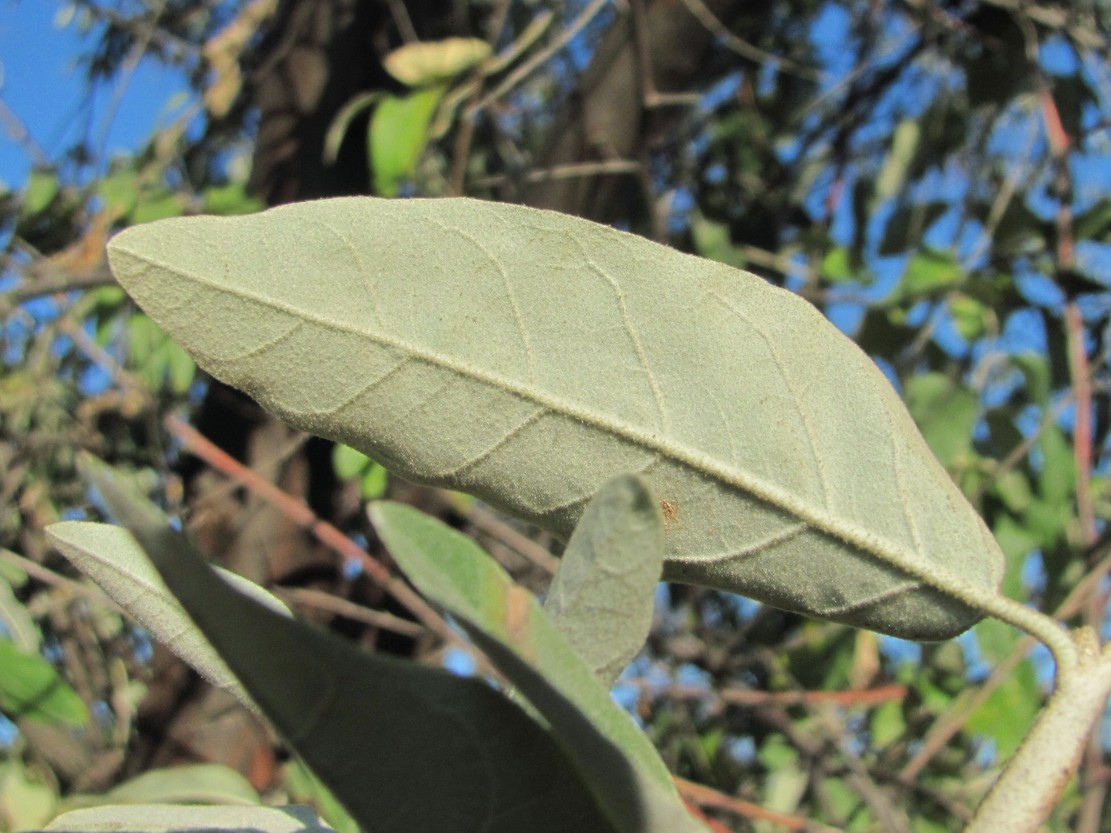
(931, 573)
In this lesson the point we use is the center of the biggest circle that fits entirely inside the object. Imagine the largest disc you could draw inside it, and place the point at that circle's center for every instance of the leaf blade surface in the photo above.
(528, 357)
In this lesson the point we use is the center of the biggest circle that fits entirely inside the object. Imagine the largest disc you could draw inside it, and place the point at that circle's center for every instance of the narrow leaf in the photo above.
(615, 758)
(168, 818)
(111, 557)
(602, 598)
(398, 134)
(190, 784)
(527, 357)
(31, 689)
(404, 747)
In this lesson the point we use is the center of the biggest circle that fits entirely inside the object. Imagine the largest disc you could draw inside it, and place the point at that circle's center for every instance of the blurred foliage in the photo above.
(934, 176)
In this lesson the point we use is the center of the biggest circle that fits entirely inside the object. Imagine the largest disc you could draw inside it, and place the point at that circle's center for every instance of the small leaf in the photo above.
(615, 758)
(1010, 710)
(462, 343)
(929, 272)
(42, 187)
(374, 482)
(420, 64)
(946, 412)
(348, 462)
(398, 134)
(337, 130)
(970, 317)
(602, 598)
(231, 199)
(904, 145)
(837, 266)
(111, 557)
(17, 620)
(168, 818)
(442, 752)
(32, 689)
(189, 784)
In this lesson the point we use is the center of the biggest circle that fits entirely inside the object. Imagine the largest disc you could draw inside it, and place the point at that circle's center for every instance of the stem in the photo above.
(1032, 782)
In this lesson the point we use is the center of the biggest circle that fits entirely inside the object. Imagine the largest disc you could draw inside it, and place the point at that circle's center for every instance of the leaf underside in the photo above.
(527, 357)
(603, 596)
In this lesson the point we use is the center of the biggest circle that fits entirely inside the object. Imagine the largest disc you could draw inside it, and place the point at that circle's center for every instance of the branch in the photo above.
(299, 512)
(1033, 781)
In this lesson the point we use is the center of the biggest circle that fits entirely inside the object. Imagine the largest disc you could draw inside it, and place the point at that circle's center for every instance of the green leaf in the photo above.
(190, 784)
(398, 134)
(602, 598)
(348, 462)
(970, 317)
(111, 557)
(615, 758)
(946, 412)
(42, 187)
(907, 225)
(304, 787)
(1057, 480)
(337, 130)
(527, 357)
(231, 199)
(1010, 710)
(27, 801)
(837, 266)
(929, 272)
(374, 482)
(442, 752)
(158, 205)
(119, 191)
(31, 689)
(168, 818)
(17, 620)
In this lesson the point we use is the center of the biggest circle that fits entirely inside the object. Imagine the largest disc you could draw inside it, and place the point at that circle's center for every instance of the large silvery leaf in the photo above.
(528, 357)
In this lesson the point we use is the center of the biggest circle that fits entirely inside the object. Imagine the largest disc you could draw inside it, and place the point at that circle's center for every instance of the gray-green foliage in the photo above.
(527, 357)
(169, 818)
(113, 559)
(403, 746)
(603, 596)
(617, 761)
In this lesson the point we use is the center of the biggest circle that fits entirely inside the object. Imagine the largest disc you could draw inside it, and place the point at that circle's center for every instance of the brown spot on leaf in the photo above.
(670, 510)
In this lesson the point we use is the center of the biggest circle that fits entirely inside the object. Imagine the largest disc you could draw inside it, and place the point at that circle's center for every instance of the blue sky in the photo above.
(44, 86)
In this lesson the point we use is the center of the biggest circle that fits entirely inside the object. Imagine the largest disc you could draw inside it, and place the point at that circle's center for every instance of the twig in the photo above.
(528, 67)
(55, 284)
(48, 576)
(852, 697)
(321, 600)
(483, 520)
(1036, 776)
(300, 513)
(719, 30)
(953, 720)
(16, 129)
(709, 797)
